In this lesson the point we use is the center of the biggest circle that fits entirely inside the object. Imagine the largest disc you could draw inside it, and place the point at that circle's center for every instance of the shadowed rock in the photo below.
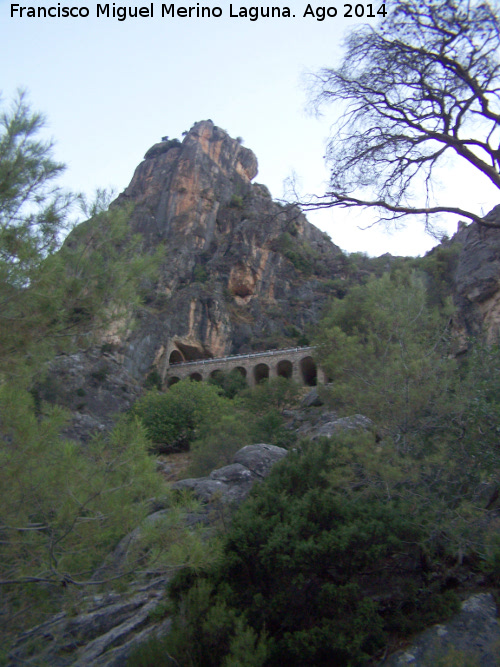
(472, 637)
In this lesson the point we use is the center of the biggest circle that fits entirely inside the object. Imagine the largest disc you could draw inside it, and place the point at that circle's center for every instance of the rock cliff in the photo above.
(239, 271)
(477, 280)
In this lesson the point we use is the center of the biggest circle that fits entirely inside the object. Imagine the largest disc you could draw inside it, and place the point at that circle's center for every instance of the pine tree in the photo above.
(55, 292)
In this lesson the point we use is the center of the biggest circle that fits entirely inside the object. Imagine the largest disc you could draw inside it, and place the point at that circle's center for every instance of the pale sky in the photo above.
(111, 89)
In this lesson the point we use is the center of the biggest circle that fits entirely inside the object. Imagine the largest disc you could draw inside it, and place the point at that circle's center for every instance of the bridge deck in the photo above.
(235, 357)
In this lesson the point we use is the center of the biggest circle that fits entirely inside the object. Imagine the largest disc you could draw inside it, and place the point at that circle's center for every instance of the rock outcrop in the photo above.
(472, 637)
(313, 423)
(93, 386)
(232, 483)
(102, 630)
(239, 272)
(477, 280)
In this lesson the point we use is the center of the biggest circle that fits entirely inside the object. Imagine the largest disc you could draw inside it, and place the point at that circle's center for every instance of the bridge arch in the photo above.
(296, 363)
(284, 369)
(308, 371)
(260, 373)
(196, 377)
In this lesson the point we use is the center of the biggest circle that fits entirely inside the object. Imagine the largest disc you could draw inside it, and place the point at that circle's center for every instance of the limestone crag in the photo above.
(477, 280)
(239, 272)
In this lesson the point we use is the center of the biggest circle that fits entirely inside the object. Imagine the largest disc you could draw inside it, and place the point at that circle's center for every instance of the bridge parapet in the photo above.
(296, 363)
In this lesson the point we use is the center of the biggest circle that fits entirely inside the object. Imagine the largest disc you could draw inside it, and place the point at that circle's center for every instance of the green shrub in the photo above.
(63, 506)
(440, 266)
(231, 383)
(277, 393)
(306, 568)
(153, 380)
(220, 443)
(236, 201)
(174, 418)
(300, 253)
(387, 353)
(200, 274)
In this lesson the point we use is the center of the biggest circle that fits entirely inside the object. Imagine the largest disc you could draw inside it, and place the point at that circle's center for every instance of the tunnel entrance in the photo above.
(175, 357)
(284, 369)
(261, 373)
(191, 352)
(308, 372)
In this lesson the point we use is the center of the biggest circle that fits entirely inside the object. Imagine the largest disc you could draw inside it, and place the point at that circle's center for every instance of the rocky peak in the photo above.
(239, 273)
(181, 186)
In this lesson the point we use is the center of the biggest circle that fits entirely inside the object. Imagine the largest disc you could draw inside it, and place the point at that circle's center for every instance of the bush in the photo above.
(174, 418)
(387, 354)
(277, 393)
(219, 444)
(200, 274)
(315, 567)
(153, 380)
(300, 253)
(236, 201)
(231, 383)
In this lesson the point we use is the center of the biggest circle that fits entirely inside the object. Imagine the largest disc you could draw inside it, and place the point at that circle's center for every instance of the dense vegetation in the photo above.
(52, 294)
(65, 506)
(314, 570)
(351, 542)
(214, 420)
(359, 539)
(62, 507)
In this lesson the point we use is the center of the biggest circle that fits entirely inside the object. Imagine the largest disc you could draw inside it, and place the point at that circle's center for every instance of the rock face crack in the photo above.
(91, 652)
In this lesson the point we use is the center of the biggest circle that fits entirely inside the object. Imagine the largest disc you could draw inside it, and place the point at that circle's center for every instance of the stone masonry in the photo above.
(296, 363)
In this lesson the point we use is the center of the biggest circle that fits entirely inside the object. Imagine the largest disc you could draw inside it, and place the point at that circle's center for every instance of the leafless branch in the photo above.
(420, 88)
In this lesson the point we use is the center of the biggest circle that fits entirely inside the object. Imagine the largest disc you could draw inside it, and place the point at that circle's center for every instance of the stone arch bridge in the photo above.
(295, 363)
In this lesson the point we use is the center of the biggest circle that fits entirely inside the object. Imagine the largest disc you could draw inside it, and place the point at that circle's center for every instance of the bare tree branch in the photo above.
(420, 88)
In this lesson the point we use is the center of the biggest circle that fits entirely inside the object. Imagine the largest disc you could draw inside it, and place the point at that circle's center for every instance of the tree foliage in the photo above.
(175, 418)
(308, 563)
(480, 414)
(277, 393)
(231, 383)
(63, 508)
(418, 89)
(197, 416)
(385, 350)
(53, 296)
(33, 209)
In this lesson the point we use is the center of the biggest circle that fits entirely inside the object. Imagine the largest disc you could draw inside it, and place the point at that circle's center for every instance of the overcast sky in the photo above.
(110, 89)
